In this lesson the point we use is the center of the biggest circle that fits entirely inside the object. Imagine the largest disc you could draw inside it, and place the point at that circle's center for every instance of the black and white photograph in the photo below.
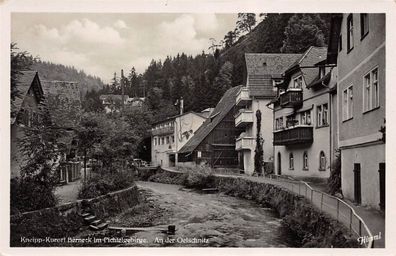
(158, 129)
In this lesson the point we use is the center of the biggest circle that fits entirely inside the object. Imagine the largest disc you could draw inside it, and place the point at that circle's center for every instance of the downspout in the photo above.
(273, 147)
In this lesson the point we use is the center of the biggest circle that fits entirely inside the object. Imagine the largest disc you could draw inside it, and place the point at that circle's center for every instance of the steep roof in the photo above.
(225, 105)
(262, 67)
(24, 81)
(309, 59)
(269, 63)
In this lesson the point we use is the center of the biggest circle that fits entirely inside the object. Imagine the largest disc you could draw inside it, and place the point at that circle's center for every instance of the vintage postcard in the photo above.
(173, 126)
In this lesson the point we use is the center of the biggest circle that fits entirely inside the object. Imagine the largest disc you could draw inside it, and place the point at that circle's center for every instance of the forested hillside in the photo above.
(51, 71)
(201, 80)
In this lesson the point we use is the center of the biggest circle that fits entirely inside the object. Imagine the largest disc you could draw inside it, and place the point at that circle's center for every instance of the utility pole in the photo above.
(122, 91)
(181, 105)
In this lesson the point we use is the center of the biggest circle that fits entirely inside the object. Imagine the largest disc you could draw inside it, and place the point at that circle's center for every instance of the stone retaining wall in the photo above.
(311, 227)
(64, 220)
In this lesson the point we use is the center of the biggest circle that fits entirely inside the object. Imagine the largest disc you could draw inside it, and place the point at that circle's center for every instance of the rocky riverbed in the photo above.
(201, 220)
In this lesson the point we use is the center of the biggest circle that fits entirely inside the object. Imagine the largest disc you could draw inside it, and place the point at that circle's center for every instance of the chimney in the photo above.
(181, 105)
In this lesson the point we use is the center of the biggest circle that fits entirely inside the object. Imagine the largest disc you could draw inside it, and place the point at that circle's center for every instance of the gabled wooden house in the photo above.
(213, 144)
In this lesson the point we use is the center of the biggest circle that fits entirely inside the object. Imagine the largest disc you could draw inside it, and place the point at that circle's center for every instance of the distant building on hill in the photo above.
(114, 102)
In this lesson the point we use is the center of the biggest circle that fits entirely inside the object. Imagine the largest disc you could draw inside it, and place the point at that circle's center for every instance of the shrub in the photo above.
(103, 184)
(30, 194)
(199, 177)
(334, 181)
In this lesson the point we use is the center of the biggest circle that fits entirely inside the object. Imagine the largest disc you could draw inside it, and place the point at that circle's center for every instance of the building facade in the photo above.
(261, 70)
(170, 135)
(303, 112)
(357, 47)
(213, 144)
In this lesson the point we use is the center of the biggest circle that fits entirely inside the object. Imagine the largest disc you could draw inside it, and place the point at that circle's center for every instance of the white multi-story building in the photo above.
(169, 136)
(261, 70)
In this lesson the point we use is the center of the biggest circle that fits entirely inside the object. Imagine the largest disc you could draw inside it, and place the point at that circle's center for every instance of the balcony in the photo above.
(243, 118)
(244, 143)
(243, 97)
(162, 131)
(292, 98)
(294, 135)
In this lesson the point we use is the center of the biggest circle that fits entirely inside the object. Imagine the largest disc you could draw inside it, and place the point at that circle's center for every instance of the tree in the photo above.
(302, 32)
(89, 132)
(259, 152)
(92, 102)
(246, 22)
(40, 146)
(229, 39)
(222, 82)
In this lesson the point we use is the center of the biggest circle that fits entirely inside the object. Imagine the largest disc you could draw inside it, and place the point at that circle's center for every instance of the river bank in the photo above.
(310, 227)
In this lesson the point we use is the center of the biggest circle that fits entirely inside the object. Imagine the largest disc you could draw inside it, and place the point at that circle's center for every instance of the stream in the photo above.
(203, 220)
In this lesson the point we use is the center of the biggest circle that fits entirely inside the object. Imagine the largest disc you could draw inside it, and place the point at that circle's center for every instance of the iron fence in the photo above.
(335, 207)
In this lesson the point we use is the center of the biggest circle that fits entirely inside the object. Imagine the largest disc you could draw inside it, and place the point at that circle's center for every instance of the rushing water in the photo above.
(214, 220)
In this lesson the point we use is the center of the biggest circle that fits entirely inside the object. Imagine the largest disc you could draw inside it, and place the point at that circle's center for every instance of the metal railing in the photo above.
(335, 207)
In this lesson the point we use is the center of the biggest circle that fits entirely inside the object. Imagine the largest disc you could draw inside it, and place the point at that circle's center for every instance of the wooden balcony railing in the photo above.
(291, 98)
(294, 135)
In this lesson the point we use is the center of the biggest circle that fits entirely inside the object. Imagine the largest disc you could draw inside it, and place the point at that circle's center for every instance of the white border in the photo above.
(178, 6)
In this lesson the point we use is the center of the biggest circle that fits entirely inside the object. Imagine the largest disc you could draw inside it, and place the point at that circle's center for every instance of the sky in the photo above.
(101, 44)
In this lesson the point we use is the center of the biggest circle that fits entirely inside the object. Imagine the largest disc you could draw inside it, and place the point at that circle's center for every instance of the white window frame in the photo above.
(305, 116)
(347, 103)
(371, 99)
(291, 161)
(305, 160)
(321, 113)
(294, 82)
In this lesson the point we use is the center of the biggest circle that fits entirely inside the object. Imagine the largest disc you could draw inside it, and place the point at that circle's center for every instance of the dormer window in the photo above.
(322, 71)
(297, 82)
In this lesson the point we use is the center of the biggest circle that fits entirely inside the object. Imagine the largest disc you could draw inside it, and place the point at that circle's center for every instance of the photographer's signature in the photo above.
(366, 239)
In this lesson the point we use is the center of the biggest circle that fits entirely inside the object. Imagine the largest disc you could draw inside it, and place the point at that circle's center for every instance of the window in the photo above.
(340, 43)
(279, 123)
(347, 103)
(322, 118)
(371, 93)
(173, 139)
(322, 161)
(305, 161)
(322, 71)
(291, 121)
(306, 117)
(350, 32)
(167, 139)
(163, 140)
(291, 161)
(155, 141)
(364, 25)
(297, 82)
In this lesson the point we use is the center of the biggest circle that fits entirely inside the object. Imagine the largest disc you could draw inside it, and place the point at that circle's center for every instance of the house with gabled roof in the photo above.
(263, 71)
(304, 110)
(213, 144)
(25, 108)
(169, 135)
(64, 97)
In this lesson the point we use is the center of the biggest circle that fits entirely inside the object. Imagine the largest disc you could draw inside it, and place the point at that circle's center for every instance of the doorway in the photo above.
(357, 183)
(279, 164)
(382, 185)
